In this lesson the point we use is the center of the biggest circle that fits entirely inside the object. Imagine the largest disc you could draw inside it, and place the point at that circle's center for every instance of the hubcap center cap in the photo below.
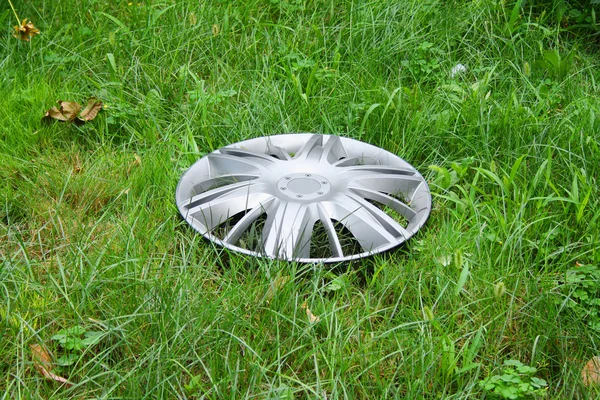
(303, 186)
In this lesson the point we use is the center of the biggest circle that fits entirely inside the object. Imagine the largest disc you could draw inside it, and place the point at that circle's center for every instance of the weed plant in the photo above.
(90, 237)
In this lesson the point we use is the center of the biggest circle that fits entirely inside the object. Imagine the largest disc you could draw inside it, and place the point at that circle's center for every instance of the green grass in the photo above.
(91, 236)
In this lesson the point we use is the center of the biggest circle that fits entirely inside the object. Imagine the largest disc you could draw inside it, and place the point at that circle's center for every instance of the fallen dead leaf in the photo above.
(42, 361)
(312, 318)
(591, 372)
(54, 113)
(92, 109)
(25, 31)
(70, 111)
(41, 357)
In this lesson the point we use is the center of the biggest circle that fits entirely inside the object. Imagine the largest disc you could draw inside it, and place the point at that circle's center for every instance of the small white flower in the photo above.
(458, 69)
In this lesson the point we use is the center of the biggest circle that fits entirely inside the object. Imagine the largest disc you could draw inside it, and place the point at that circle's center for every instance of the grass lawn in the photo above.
(97, 267)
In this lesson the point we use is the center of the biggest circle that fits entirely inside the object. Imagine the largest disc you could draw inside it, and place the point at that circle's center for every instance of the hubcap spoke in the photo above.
(334, 240)
(379, 169)
(311, 150)
(333, 150)
(389, 184)
(288, 229)
(357, 160)
(397, 205)
(231, 190)
(262, 159)
(214, 209)
(222, 164)
(278, 151)
(391, 225)
(363, 225)
(202, 189)
(244, 223)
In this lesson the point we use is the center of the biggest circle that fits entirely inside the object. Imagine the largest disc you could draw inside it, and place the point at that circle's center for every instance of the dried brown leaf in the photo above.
(70, 109)
(54, 113)
(41, 357)
(25, 31)
(591, 372)
(92, 109)
(42, 361)
(312, 318)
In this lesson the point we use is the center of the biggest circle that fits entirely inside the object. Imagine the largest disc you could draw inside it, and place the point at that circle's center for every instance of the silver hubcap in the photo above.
(304, 197)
